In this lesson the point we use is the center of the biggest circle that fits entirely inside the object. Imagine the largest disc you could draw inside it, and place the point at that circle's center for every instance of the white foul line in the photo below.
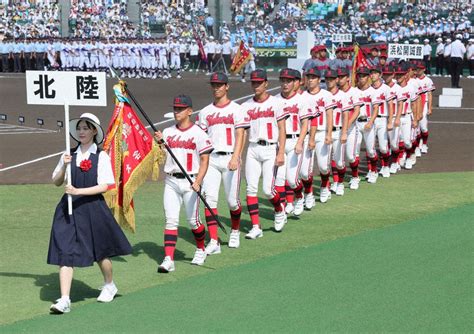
(159, 123)
(441, 122)
(31, 161)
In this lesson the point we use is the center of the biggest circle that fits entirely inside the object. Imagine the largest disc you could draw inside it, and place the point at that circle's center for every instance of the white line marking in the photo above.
(441, 122)
(31, 161)
(27, 132)
(159, 123)
(453, 109)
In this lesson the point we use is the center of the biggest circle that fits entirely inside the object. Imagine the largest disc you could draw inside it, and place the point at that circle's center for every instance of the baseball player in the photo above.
(320, 137)
(296, 131)
(385, 112)
(366, 131)
(342, 103)
(265, 119)
(417, 110)
(427, 87)
(175, 60)
(393, 122)
(219, 119)
(408, 121)
(163, 49)
(191, 146)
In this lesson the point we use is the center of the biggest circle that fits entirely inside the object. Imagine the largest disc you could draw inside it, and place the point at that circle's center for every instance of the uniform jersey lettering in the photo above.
(176, 142)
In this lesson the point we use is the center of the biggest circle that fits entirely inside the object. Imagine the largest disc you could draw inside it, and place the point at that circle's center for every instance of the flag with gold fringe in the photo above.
(134, 156)
(241, 58)
(357, 61)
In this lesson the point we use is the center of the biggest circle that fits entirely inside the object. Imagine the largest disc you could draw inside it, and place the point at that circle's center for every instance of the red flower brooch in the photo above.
(85, 165)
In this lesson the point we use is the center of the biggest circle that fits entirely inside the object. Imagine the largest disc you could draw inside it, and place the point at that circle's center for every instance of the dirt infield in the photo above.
(451, 141)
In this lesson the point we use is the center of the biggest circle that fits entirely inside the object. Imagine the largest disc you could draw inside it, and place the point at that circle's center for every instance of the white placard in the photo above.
(341, 38)
(405, 51)
(75, 88)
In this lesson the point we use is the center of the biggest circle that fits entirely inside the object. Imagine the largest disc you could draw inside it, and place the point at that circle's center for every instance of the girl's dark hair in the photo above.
(90, 125)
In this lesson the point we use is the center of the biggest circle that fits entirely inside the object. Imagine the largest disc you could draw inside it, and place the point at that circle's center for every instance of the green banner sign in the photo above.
(271, 52)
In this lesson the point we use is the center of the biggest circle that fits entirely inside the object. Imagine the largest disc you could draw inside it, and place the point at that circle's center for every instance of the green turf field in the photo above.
(321, 273)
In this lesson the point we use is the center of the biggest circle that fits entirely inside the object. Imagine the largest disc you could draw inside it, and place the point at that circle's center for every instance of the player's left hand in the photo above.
(196, 186)
(328, 140)
(390, 126)
(70, 190)
(414, 124)
(280, 159)
(368, 126)
(344, 138)
(299, 148)
(311, 145)
(233, 163)
(429, 112)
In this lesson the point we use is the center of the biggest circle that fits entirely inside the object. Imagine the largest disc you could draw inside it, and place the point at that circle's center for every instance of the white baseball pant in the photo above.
(216, 172)
(176, 192)
(261, 161)
(380, 125)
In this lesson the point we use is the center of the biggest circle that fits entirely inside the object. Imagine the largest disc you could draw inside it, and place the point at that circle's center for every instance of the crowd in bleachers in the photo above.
(25, 20)
(100, 19)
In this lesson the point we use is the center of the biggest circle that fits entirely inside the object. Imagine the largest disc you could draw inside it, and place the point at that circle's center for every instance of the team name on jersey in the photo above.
(215, 119)
(337, 103)
(256, 113)
(175, 141)
(291, 109)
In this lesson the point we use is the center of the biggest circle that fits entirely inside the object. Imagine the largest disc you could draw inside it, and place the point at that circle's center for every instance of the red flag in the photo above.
(134, 156)
(200, 46)
(357, 62)
(241, 58)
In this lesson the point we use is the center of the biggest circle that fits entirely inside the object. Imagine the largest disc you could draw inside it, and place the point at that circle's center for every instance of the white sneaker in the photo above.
(234, 239)
(199, 257)
(208, 73)
(325, 195)
(413, 159)
(280, 221)
(403, 159)
(394, 168)
(340, 189)
(254, 233)
(385, 171)
(178, 77)
(372, 177)
(409, 163)
(354, 183)
(213, 247)
(299, 206)
(368, 175)
(417, 152)
(243, 80)
(108, 293)
(289, 208)
(334, 187)
(166, 266)
(61, 306)
(424, 149)
(309, 201)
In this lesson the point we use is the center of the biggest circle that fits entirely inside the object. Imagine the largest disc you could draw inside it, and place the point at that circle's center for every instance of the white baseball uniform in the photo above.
(381, 98)
(320, 103)
(297, 110)
(262, 120)
(408, 95)
(427, 86)
(394, 134)
(219, 123)
(187, 145)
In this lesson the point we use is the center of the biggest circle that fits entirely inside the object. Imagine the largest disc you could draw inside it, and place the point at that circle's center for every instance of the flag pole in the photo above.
(68, 151)
(162, 142)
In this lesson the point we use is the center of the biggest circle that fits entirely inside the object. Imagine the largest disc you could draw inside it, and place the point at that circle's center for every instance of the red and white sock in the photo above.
(235, 218)
(199, 236)
(308, 185)
(211, 223)
(252, 205)
(325, 180)
(355, 167)
(289, 193)
(171, 237)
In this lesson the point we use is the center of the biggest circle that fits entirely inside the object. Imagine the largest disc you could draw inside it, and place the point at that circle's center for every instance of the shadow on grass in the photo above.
(155, 252)
(49, 285)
